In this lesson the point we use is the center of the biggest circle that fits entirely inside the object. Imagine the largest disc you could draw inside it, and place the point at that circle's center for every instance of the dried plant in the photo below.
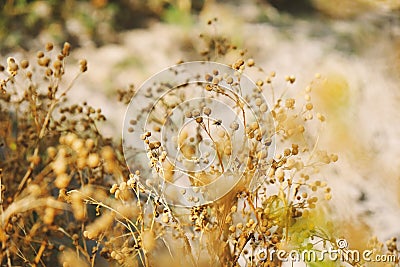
(69, 197)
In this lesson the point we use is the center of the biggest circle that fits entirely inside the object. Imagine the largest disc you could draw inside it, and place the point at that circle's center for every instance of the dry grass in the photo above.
(68, 197)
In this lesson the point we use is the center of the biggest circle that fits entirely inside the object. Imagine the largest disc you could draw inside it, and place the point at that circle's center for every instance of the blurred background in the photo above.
(353, 44)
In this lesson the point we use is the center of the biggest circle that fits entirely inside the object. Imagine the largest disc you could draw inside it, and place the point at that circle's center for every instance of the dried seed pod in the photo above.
(49, 46)
(207, 111)
(83, 65)
(250, 62)
(66, 49)
(39, 54)
(24, 64)
(93, 160)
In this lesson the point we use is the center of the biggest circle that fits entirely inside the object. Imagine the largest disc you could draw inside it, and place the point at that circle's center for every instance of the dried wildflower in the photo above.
(49, 46)
(66, 49)
(12, 66)
(62, 180)
(93, 160)
(238, 64)
(24, 64)
(250, 62)
(83, 65)
(39, 54)
(207, 111)
(129, 221)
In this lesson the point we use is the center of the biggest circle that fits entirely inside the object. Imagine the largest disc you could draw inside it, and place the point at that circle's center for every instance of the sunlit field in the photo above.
(200, 133)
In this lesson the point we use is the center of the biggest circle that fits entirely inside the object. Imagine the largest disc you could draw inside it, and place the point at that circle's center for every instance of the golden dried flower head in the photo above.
(62, 180)
(66, 49)
(89, 143)
(93, 160)
(59, 166)
(77, 144)
(83, 65)
(250, 62)
(44, 61)
(289, 103)
(238, 64)
(12, 66)
(57, 64)
(39, 54)
(207, 111)
(107, 153)
(49, 46)
(234, 126)
(24, 64)
(290, 79)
